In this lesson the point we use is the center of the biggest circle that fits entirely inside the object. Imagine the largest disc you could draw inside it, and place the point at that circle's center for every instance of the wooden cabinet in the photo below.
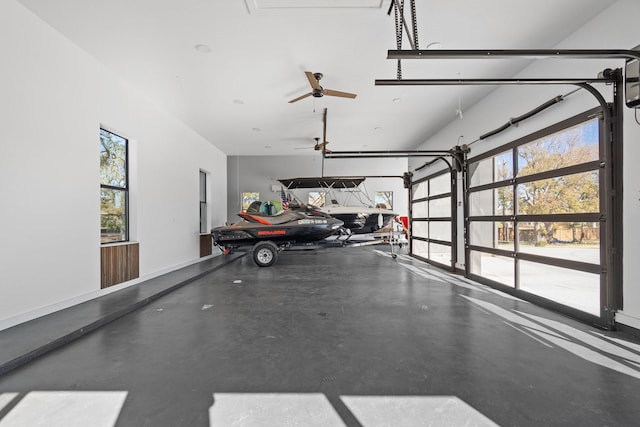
(119, 263)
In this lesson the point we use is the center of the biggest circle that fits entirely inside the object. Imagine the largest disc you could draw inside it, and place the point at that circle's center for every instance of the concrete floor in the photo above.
(335, 337)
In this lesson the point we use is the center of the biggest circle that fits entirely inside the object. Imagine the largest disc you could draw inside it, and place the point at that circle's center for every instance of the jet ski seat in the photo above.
(271, 207)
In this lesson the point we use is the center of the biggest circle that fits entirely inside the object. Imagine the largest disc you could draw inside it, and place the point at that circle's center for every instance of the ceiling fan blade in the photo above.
(312, 80)
(300, 97)
(338, 93)
(320, 146)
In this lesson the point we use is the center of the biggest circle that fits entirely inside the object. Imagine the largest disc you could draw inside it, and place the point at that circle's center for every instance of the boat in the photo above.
(366, 217)
(270, 229)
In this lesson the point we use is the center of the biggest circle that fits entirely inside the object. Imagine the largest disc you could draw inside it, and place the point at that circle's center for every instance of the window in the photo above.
(432, 218)
(203, 202)
(316, 198)
(114, 190)
(384, 199)
(535, 211)
(248, 198)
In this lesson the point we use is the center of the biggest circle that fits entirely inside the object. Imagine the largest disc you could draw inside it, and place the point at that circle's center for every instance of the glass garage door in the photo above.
(535, 215)
(432, 224)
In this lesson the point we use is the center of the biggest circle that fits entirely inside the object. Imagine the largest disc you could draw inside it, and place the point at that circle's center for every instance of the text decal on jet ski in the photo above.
(272, 232)
(312, 221)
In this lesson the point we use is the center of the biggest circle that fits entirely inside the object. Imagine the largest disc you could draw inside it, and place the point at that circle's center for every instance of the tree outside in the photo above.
(574, 193)
(113, 182)
(248, 198)
(384, 199)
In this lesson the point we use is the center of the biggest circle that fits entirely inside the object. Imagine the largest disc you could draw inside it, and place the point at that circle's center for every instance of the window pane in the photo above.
(494, 267)
(113, 159)
(498, 201)
(576, 241)
(203, 202)
(440, 230)
(572, 146)
(316, 198)
(420, 229)
(440, 253)
(492, 169)
(384, 199)
(248, 198)
(569, 287)
(577, 193)
(113, 214)
(203, 186)
(420, 190)
(420, 248)
(440, 208)
(203, 217)
(440, 185)
(420, 210)
(497, 235)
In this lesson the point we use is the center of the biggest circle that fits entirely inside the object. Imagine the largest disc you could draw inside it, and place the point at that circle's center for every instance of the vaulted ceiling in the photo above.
(228, 68)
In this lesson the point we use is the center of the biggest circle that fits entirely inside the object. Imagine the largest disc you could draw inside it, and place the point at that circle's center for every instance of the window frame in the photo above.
(426, 196)
(251, 196)
(386, 195)
(202, 183)
(124, 189)
(601, 166)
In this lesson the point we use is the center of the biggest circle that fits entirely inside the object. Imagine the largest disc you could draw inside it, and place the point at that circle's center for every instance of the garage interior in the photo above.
(505, 134)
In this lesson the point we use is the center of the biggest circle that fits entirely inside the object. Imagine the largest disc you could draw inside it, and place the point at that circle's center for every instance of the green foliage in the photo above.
(248, 198)
(113, 158)
(575, 193)
(113, 173)
(564, 194)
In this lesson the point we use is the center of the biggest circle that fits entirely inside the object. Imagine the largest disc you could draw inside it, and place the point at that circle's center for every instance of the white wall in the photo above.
(259, 173)
(54, 98)
(615, 28)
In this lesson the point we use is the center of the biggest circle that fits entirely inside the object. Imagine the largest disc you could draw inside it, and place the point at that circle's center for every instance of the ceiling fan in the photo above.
(321, 146)
(318, 91)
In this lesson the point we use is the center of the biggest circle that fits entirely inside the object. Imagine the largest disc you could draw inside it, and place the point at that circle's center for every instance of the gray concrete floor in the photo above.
(345, 336)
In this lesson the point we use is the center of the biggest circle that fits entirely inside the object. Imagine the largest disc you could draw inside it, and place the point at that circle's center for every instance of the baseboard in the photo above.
(43, 311)
(628, 324)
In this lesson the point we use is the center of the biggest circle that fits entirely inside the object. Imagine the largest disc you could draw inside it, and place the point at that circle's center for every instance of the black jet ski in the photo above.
(270, 228)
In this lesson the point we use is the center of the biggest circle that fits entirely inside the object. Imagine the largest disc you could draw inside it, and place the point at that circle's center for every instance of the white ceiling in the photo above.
(236, 96)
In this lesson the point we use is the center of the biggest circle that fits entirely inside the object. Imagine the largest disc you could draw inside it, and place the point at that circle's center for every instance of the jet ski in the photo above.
(269, 228)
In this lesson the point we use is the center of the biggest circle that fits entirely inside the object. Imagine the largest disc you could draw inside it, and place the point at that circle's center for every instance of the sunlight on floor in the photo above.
(256, 409)
(101, 409)
(399, 411)
(273, 409)
(64, 408)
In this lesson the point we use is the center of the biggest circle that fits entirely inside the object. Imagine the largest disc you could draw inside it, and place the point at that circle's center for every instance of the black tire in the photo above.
(265, 254)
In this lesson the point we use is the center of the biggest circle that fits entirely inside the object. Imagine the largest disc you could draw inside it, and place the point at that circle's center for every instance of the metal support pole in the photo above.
(514, 53)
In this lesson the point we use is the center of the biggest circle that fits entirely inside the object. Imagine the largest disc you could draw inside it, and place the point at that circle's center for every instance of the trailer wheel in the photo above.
(265, 254)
